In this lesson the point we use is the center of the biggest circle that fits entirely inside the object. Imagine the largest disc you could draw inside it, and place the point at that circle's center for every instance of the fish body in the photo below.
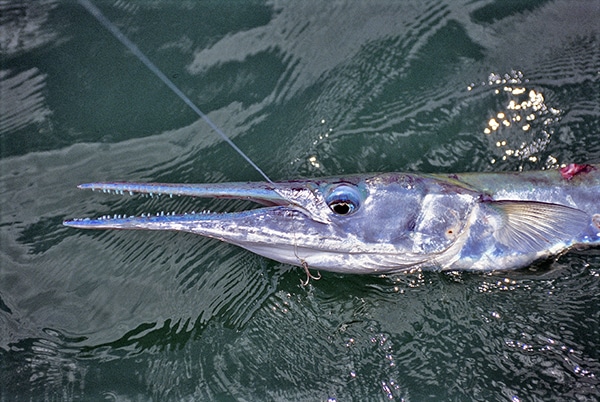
(392, 222)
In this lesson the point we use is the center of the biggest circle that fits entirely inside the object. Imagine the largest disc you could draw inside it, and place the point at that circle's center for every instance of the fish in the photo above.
(385, 223)
(380, 223)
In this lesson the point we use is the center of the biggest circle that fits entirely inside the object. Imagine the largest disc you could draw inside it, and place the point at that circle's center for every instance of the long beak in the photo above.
(270, 231)
(262, 193)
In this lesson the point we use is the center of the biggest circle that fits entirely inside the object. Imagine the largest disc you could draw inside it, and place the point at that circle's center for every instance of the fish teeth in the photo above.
(153, 214)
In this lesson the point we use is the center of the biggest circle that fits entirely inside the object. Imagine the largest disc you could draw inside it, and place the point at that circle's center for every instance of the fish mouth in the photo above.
(273, 230)
(265, 194)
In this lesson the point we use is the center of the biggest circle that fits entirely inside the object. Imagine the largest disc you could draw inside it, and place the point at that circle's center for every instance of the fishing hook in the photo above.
(302, 261)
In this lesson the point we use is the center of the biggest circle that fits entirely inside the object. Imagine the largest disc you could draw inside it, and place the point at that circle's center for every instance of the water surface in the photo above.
(306, 89)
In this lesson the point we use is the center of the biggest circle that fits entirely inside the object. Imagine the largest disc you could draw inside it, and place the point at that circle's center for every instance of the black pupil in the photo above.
(341, 208)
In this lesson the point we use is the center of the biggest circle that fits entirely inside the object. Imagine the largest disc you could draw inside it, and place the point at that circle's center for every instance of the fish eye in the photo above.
(343, 200)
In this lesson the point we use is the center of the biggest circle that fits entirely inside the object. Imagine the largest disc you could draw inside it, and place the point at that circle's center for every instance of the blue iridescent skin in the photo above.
(391, 222)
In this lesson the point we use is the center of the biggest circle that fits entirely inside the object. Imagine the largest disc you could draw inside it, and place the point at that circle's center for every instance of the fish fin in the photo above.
(531, 226)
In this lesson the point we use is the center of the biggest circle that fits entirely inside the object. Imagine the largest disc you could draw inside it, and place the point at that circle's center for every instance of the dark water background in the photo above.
(306, 89)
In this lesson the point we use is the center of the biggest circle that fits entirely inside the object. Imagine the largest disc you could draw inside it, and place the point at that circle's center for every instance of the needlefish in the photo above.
(391, 222)
(381, 223)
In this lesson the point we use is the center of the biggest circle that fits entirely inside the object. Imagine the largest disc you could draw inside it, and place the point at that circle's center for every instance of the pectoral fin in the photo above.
(531, 226)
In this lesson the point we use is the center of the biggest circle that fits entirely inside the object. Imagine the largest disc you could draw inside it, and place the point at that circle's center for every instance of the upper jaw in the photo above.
(260, 192)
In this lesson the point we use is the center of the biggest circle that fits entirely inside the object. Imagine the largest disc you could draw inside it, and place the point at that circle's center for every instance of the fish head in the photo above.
(357, 224)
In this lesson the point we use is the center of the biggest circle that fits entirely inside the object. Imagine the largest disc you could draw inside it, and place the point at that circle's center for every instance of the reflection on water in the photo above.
(523, 127)
(305, 89)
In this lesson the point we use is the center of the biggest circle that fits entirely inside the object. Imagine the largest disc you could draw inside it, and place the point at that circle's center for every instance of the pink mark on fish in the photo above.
(573, 169)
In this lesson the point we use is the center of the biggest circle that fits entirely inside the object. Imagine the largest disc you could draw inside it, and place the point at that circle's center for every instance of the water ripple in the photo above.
(23, 102)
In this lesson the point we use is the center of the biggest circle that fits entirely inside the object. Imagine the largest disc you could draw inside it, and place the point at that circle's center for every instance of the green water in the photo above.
(305, 89)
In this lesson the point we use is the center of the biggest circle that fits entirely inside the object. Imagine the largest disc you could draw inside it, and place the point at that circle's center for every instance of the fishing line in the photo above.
(96, 13)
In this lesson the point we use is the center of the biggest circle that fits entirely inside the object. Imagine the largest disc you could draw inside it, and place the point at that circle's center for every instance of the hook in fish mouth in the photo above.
(195, 222)
(300, 222)
(337, 224)
(267, 230)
